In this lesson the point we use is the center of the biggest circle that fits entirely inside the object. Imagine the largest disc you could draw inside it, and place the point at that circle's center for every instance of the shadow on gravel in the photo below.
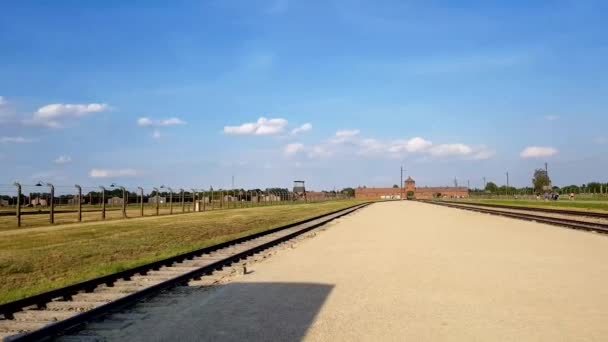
(240, 312)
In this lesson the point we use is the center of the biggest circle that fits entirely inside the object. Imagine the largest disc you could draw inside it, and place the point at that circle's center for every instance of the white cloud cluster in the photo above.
(156, 124)
(348, 141)
(263, 126)
(58, 114)
(538, 152)
(418, 145)
(15, 140)
(304, 128)
(551, 117)
(112, 173)
(2, 101)
(413, 145)
(147, 122)
(63, 159)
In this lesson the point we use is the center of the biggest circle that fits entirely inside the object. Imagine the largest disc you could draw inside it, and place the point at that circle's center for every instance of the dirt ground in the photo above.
(402, 271)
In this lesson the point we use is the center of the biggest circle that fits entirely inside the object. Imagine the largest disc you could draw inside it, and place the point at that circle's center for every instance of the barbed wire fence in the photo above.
(44, 203)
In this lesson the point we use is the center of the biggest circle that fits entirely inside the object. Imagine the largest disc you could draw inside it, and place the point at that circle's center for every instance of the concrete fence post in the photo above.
(103, 202)
(18, 209)
(181, 195)
(193, 200)
(52, 211)
(141, 204)
(157, 200)
(79, 188)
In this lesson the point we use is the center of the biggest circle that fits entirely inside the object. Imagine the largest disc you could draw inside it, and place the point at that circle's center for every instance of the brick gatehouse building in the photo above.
(411, 191)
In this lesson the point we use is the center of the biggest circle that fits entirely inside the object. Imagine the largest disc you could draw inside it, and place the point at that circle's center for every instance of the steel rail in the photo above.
(545, 210)
(54, 329)
(575, 224)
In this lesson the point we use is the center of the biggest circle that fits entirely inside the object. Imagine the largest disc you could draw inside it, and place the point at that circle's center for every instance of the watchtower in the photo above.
(299, 190)
(410, 188)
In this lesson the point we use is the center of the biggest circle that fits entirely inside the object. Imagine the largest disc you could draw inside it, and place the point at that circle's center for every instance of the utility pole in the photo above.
(455, 182)
(507, 188)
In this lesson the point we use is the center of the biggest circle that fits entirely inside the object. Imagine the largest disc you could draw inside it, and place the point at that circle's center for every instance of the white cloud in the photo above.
(346, 142)
(304, 128)
(538, 152)
(57, 114)
(147, 122)
(15, 140)
(156, 134)
(551, 117)
(293, 149)
(413, 145)
(109, 173)
(449, 150)
(263, 126)
(483, 154)
(345, 135)
(601, 140)
(2, 101)
(63, 159)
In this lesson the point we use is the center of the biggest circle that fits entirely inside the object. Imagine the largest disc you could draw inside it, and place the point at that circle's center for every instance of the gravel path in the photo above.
(400, 271)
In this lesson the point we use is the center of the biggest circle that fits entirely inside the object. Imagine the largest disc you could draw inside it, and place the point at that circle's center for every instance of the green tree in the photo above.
(540, 180)
(395, 186)
(350, 192)
(491, 187)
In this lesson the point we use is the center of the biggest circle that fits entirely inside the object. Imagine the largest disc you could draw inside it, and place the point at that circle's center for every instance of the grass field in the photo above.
(34, 260)
(583, 205)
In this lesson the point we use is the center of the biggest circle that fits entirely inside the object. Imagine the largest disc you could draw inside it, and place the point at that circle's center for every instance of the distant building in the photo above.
(38, 202)
(410, 191)
(3, 203)
(74, 200)
(161, 200)
(115, 201)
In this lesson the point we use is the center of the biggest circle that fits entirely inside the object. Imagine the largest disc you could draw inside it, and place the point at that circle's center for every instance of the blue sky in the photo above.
(189, 93)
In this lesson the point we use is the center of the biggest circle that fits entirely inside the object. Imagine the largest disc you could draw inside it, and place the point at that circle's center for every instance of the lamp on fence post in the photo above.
(79, 188)
(52, 200)
(141, 205)
(157, 199)
(103, 202)
(181, 194)
(124, 199)
(18, 213)
(170, 198)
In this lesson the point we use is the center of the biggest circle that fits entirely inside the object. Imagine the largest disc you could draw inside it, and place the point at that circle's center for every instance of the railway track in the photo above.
(557, 221)
(53, 313)
(543, 210)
